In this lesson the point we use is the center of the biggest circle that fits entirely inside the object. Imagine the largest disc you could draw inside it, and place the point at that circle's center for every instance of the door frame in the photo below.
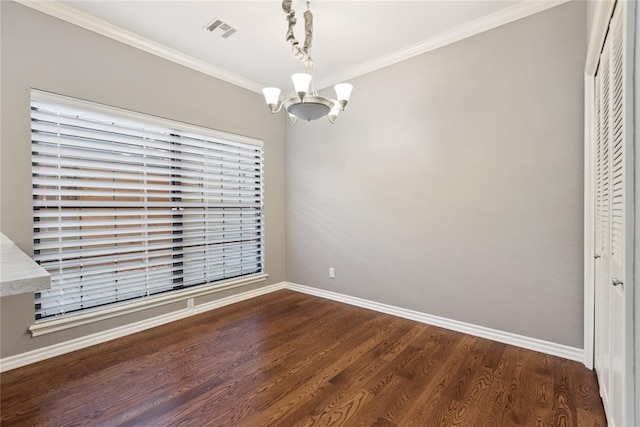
(602, 15)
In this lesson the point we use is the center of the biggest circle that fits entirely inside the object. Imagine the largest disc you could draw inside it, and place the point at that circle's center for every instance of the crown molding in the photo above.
(89, 22)
(486, 23)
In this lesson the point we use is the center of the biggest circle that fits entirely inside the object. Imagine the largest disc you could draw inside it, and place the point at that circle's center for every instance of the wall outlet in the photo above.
(190, 303)
(332, 272)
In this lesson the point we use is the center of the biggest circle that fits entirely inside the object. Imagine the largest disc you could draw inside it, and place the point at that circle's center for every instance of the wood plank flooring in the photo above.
(289, 359)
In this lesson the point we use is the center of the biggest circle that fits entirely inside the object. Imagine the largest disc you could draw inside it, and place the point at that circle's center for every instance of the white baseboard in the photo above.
(547, 347)
(23, 359)
(33, 356)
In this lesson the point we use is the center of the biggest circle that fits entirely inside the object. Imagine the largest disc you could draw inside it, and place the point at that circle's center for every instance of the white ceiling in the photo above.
(350, 37)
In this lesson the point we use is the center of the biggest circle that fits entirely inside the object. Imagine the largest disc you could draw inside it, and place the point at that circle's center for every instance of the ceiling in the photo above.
(350, 37)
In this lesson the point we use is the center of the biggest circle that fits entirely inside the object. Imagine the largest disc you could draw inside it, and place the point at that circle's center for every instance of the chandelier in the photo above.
(307, 105)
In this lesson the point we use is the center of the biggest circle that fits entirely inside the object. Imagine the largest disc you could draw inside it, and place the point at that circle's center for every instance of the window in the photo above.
(127, 205)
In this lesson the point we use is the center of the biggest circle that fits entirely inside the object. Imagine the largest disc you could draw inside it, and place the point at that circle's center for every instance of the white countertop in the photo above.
(19, 273)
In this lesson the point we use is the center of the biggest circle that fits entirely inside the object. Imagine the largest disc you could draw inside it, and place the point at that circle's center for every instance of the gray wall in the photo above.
(45, 53)
(591, 9)
(453, 183)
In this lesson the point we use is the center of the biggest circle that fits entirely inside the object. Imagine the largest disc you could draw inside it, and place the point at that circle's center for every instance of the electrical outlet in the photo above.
(190, 304)
(332, 272)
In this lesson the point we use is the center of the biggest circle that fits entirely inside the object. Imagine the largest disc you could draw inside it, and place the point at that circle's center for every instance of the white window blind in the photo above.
(127, 205)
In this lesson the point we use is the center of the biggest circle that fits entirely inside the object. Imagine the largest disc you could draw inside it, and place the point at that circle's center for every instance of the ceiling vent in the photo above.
(219, 27)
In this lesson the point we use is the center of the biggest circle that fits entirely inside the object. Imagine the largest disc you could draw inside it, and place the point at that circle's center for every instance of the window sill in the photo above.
(49, 326)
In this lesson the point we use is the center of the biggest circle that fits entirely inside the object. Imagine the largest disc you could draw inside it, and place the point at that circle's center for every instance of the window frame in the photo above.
(92, 314)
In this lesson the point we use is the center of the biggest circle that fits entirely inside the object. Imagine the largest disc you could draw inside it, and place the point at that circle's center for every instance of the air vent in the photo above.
(219, 27)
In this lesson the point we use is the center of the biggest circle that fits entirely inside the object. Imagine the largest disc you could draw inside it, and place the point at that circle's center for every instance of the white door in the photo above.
(613, 212)
(602, 211)
(621, 167)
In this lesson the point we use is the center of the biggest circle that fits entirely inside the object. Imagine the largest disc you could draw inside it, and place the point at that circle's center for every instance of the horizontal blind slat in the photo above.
(51, 143)
(231, 249)
(50, 162)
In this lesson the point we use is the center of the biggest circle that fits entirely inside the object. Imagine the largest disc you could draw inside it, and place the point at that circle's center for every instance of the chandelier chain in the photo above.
(302, 53)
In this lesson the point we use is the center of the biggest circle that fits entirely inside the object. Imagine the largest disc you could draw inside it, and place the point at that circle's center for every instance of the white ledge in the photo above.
(19, 274)
(48, 326)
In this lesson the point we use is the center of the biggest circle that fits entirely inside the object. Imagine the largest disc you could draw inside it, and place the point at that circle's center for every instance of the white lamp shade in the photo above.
(301, 82)
(271, 95)
(335, 110)
(333, 114)
(343, 91)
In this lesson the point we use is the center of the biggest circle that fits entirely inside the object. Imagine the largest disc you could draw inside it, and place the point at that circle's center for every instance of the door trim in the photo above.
(589, 224)
(600, 25)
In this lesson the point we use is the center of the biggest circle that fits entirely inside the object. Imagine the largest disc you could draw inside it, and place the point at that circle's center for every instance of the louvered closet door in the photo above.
(601, 215)
(602, 287)
(621, 386)
(613, 218)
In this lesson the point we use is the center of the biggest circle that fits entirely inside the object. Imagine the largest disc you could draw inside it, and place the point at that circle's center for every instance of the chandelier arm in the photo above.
(277, 109)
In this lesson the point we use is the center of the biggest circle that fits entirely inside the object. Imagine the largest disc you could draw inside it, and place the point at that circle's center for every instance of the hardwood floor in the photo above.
(289, 359)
